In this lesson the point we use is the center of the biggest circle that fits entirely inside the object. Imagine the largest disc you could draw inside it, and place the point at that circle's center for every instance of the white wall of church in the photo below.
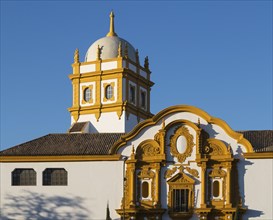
(109, 65)
(90, 186)
(256, 180)
(109, 122)
(87, 68)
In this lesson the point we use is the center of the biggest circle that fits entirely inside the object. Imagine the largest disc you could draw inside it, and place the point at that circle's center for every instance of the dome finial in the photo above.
(112, 26)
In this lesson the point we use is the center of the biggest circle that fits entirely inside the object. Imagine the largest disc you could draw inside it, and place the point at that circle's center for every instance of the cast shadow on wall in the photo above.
(31, 205)
(242, 167)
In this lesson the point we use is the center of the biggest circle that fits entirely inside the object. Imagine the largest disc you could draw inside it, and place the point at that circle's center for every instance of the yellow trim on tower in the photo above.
(83, 91)
(111, 32)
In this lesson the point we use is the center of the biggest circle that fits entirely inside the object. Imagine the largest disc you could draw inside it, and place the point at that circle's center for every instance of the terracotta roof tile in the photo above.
(261, 140)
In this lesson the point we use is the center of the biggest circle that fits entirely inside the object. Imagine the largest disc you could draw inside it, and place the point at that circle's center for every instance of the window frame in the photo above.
(143, 99)
(87, 94)
(51, 177)
(181, 181)
(84, 89)
(106, 96)
(20, 177)
(132, 94)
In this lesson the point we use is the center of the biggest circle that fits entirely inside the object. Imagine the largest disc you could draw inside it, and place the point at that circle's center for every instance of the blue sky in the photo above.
(215, 55)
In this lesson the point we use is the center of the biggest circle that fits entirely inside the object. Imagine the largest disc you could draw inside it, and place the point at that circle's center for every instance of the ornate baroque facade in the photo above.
(119, 161)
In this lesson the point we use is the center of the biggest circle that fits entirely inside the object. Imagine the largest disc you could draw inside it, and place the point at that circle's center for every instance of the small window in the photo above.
(180, 199)
(55, 177)
(216, 188)
(145, 190)
(143, 99)
(87, 94)
(108, 92)
(132, 94)
(23, 177)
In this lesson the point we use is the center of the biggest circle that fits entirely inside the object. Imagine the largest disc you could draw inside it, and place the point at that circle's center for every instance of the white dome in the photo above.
(109, 45)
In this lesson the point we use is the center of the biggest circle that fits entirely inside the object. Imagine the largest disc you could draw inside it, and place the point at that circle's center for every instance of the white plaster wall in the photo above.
(257, 188)
(90, 186)
(87, 68)
(131, 122)
(144, 74)
(132, 67)
(109, 65)
(109, 122)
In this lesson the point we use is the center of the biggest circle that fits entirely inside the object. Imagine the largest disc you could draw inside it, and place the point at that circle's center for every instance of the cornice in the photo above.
(63, 158)
(260, 155)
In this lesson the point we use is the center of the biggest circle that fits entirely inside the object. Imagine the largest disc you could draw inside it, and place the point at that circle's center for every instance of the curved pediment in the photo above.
(194, 115)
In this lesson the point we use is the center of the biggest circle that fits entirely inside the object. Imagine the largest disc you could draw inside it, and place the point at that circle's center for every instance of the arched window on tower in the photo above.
(143, 99)
(132, 94)
(108, 92)
(87, 94)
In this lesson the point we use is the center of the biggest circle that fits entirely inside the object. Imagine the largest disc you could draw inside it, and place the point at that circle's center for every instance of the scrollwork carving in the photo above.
(170, 172)
(218, 172)
(193, 172)
(181, 131)
(149, 148)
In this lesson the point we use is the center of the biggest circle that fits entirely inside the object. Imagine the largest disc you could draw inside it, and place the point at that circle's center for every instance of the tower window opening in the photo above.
(87, 94)
(108, 92)
(180, 200)
(132, 94)
(143, 99)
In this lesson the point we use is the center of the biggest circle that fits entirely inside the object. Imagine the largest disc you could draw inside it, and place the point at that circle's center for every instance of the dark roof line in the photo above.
(101, 143)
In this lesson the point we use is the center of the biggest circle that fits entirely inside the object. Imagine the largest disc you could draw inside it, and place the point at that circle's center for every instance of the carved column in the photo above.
(131, 182)
(157, 184)
(203, 185)
(228, 204)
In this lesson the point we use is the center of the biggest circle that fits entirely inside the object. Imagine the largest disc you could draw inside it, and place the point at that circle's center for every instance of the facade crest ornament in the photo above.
(181, 155)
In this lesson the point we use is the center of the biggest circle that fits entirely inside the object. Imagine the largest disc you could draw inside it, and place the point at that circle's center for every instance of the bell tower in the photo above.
(111, 89)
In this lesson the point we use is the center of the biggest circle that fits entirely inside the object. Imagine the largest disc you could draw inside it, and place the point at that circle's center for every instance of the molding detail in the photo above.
(83, 94)
(181, 131)
(105, 85)
(147, 149)
(193, 172)
(182, 108)
(170, 172)
(17, 159)
(261, 155)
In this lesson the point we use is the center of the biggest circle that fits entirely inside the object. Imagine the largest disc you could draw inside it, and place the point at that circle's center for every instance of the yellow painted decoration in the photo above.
(111, 32)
